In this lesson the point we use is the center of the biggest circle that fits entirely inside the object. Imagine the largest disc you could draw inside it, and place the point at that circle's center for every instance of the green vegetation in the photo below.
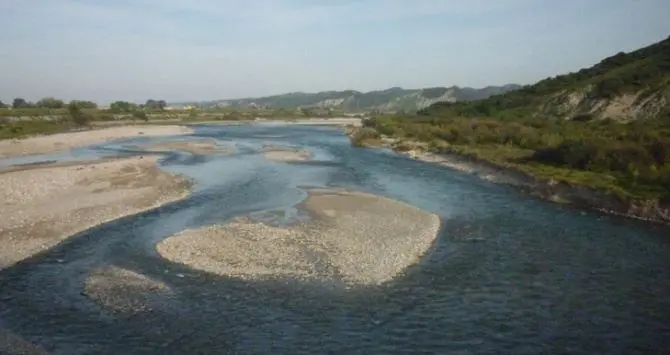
(645, 72)
(630, 160)
(122, 107)
(366, 137)
(20, 129)
(79, 117)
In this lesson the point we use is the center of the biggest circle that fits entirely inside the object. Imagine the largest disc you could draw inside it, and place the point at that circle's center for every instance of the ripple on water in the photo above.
(508, 274)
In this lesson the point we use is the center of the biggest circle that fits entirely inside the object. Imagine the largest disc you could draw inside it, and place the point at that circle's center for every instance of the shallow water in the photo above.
(508, 273)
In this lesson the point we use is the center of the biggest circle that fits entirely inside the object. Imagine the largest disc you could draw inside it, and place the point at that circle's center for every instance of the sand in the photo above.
(202, 147)
(285, 154)
(42, 205)
(121, 290)
(353, 239)
(63, 141)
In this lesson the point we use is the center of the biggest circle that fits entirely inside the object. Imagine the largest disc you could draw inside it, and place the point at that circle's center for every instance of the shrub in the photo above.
(141, 115)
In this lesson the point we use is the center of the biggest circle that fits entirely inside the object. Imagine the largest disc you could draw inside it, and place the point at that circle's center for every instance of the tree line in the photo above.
(54, 103)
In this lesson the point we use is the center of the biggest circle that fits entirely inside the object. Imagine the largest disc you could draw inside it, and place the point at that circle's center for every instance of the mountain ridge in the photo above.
(392, 99)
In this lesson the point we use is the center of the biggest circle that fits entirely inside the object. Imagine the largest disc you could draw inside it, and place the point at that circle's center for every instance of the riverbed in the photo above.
(506, 273)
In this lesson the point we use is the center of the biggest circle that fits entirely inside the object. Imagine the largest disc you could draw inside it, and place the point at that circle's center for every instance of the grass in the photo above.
(22, 129)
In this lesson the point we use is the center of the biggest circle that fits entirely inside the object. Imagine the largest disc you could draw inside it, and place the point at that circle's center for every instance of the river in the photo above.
(507, 274)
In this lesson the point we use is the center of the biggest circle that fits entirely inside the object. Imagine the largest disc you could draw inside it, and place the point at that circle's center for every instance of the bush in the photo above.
(364, 136)
(141, 115)
(79, 117)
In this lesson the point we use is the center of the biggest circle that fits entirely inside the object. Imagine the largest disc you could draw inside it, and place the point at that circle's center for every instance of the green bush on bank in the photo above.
(627, 159)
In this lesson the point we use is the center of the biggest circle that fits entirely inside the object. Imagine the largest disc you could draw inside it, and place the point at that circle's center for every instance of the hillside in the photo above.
(389, 100)
(600, 136)
(626, 86)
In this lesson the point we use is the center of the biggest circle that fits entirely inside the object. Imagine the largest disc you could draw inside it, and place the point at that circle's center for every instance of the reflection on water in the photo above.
(508, 274)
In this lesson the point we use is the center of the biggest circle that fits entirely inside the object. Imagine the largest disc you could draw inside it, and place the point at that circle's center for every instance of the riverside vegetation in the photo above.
(604, 128)
(49, 115)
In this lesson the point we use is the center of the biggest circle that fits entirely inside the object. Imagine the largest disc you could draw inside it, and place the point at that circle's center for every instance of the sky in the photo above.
(176, 50)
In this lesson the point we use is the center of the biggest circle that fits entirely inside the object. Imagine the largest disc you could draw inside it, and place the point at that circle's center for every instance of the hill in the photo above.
(602, 134)
(389, 100)
(626, 86)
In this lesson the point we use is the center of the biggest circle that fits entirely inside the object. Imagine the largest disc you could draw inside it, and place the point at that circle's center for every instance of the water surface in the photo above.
(507, 274)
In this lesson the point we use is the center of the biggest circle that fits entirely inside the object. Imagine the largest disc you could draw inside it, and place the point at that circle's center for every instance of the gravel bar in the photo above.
(353, 238)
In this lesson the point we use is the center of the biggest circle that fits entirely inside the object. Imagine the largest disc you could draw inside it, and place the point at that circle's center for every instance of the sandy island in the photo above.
(64, 141)
(355, 238)
(200, 147)
(43, 204)
(285, 154)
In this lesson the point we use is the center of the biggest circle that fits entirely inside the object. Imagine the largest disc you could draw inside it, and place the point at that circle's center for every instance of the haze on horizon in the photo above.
(180, 50)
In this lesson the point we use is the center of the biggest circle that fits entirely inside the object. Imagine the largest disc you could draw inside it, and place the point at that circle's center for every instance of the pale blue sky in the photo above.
(205, 49)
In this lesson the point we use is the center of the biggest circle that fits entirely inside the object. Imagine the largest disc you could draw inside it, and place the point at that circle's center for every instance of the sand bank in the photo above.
(42, 205)
(285, 154)
(121, 290)
(63, 141)
(353, 237)
(201, 147)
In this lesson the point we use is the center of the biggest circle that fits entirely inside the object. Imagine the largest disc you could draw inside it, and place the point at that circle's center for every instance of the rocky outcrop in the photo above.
(583, 104)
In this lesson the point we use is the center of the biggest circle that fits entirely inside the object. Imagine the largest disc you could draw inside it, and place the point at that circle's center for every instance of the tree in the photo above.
(155, 104)
(20, 103)
(83, 104)
(141, 115)
(78, 116)
(2, 105)
(122, 106)
(50, 102)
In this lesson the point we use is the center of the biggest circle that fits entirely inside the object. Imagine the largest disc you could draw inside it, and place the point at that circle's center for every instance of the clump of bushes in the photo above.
(365, 137)
(141, 115)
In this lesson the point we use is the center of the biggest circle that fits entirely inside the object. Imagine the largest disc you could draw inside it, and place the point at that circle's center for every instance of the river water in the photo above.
(507, 274)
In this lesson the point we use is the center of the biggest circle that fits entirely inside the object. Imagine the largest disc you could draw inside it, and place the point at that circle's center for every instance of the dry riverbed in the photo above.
(64, 141)
(353, 238)
(42, 205)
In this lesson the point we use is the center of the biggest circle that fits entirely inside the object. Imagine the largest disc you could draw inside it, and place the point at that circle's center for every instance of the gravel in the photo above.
(125, 291)
(63, 141)
(41, 206)
(353, 238)
(285, 154)
(12, 344)
(204, 147)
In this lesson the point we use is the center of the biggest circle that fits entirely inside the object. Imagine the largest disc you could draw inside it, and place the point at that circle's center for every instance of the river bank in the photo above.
(549, 190)
(45, 204)
(63, 141)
